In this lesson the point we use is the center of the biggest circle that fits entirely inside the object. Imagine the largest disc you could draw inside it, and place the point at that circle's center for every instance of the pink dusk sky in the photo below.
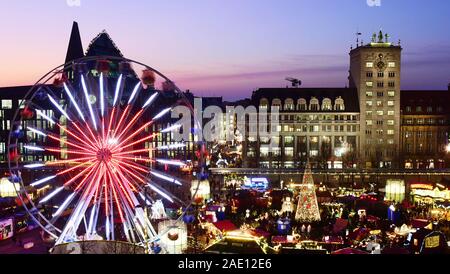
(229, 48)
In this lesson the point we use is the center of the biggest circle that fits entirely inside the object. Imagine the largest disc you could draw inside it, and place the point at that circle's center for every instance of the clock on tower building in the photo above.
(375, 73)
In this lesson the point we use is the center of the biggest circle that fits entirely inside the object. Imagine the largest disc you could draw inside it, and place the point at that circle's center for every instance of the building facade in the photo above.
(425, 129)
(375, 72)
(316, 124)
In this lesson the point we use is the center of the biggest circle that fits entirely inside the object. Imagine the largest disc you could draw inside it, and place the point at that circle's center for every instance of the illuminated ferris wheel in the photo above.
(92, 146)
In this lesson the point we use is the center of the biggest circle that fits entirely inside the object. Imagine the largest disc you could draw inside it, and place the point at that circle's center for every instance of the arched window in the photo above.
(288, 104)
(263, 103)
(301, 104)
(276, 103)
(326, 104)
(314, 104)
(339, 104)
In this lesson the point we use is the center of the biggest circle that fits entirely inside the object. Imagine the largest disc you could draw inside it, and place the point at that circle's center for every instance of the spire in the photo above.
(75, 48)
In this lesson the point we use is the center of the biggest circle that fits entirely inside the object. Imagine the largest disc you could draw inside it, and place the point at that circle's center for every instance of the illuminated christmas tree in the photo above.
(307, 207)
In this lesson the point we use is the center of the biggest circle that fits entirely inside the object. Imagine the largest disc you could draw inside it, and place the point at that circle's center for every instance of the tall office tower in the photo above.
(375, 73)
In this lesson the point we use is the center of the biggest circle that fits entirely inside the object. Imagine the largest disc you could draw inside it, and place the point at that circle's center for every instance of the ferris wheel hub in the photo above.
(104, 155)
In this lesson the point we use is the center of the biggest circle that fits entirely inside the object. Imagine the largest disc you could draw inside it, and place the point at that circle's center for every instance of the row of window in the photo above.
(422, 148)
(390, 93)
(370, 113)
(302, 105)
(380, 132)
(389, 64)
(315, 117)
(380, 74)
(429, 109)
(423, 121)
(370, 84)
(380, 122)
(318, 128)
(422, 134)
(380, 103)
(380, 141)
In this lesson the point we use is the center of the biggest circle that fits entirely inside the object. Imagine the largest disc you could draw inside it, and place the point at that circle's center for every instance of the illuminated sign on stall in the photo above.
(256, 183)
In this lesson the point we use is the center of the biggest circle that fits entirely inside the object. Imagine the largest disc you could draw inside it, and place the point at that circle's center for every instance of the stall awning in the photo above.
(225, 225)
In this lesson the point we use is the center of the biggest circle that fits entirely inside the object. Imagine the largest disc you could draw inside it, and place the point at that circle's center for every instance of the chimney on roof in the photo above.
(75, 48)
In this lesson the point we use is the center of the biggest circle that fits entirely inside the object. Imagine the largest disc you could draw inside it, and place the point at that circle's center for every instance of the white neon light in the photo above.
(159, 115)
(164, 177)
(34, 148)
(116, 93)
(91, 220)
(73, 101)
(38, 132)
(40, 113)
(135, 90)
(170, 162)
(59, 107)
(64, 205)
(172, 146)
(86, 94)
(102, 104)
(160, 192)
(107, 228)
(113, 141)
(41, 181)
(51, 195)
(145, 199)
(34, 165)
(171, 128)
(150, 99)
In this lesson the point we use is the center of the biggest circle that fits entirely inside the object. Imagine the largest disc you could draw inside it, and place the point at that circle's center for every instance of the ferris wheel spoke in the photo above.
(136, 142)
(91, 146)
(79, 214)
(132, 152)
(69, 161)
(56, 104)
(74, 102)
(86, 138)
(171, 162)
(86, 94)
(111, 119)
(69, 143)
(150, 100)
(86, 177)
(118, 184)
(136, 89)
(62, 208)
(102, 99)
(131, 165)
(136, 159)
(122, 117)
(113, 187)
(74, 167)
(160, 192)
(166, 177)
(138, 131)
(67, 151)
(130, 124)
(117, 90)
(130, 173)
(51, 195)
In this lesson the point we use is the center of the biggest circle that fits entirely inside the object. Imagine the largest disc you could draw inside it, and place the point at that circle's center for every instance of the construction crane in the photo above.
(295, 82)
